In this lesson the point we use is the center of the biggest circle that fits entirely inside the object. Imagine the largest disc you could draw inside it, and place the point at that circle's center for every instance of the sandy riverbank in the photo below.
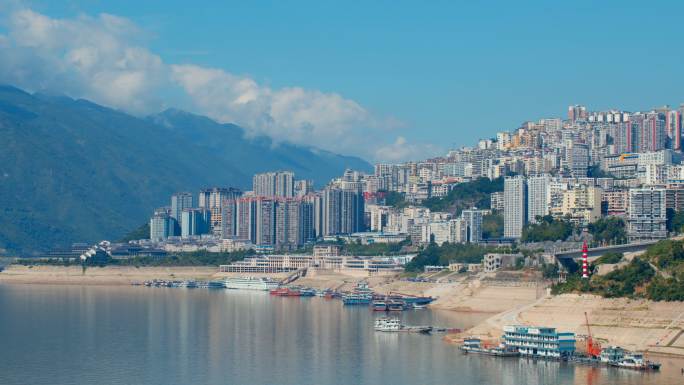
(475, 296)
(461, 295)
(643, 325)
(108, 275)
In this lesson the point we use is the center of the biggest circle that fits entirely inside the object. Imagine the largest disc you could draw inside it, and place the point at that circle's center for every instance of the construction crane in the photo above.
(593, 347)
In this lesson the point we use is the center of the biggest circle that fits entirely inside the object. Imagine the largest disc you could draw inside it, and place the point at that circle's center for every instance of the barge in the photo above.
(475, 346)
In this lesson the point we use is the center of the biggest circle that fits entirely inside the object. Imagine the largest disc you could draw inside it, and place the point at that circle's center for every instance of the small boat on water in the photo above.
(394, 305)
(635, 361)
(379, 305)
(474, 345)
(386, 324)
(216, 285)
(356, 299)
(282, 292)
(188, 284)
(416, 300)
(307, 292)
(361, 295)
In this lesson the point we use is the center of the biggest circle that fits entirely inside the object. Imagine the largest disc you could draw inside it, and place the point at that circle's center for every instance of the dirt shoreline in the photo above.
(641, 325)
(108, 275)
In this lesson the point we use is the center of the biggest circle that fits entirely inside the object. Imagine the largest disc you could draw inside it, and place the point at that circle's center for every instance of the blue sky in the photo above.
(438, 74)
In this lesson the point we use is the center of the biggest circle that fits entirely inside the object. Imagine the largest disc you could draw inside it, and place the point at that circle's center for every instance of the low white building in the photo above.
(493, 262)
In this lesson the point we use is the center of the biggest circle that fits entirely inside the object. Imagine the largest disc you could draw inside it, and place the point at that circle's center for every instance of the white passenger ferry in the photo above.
(250, 283)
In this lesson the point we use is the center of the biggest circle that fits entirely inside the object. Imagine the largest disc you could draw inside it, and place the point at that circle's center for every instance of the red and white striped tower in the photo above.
(585, 261)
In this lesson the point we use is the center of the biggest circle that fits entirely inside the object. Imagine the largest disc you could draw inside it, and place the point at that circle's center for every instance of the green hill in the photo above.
(72, 170)
(657, 274)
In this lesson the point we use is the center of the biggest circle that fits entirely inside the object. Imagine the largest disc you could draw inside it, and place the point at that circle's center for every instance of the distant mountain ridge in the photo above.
(72, 170)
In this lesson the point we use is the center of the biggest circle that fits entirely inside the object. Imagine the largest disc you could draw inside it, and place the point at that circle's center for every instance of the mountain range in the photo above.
(72, 170)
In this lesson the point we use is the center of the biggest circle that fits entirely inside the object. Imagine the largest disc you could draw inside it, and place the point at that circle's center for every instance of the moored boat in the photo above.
(474, 345)
(250, 283)
(387, 324)
(307, 292)
(188, 284)
(286, 292)
(379, 305)
(635, 361)
(216, 285)
(356, 299)
(395, 305)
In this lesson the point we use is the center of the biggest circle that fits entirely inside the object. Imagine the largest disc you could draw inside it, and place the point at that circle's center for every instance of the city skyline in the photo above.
(316, 192)
(576, 171)
(461, 88)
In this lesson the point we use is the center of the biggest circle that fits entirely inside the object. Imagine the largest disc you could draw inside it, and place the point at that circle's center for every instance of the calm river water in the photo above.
(137, 335)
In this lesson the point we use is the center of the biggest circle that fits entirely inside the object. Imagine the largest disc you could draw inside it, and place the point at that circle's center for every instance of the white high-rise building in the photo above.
(274, 184)
(194, 222)
(161, 224)
(503, 140)
(538, 197)
(473, 222)
(459, 230)
(577, 158)
(213, 199)
(647, 217)
(515, 206)
(179, 202)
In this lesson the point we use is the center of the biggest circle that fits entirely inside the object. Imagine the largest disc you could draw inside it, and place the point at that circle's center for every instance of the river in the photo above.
(137, 335)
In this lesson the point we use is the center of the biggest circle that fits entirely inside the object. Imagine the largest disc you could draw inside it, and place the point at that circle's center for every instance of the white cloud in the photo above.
(401, 150)
(102, 59)
(290, 114)
(90, 57)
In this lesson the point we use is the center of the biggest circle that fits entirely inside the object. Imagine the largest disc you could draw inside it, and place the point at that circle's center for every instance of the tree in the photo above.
(596, 172)
(450, 252)
(492, 226)
(466, 195)
(550, 270)
(675, 221)
(609, 230)
(547, 229)
(141, 232)
(394, 199)
(622, 282)
(609, 257)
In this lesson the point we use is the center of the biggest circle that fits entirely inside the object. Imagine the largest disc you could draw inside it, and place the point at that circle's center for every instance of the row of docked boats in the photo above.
(248, 283)
(293, 292)
(611, 356)
(360, 295)
(243, 283)
(167, 283)
(363, 295)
